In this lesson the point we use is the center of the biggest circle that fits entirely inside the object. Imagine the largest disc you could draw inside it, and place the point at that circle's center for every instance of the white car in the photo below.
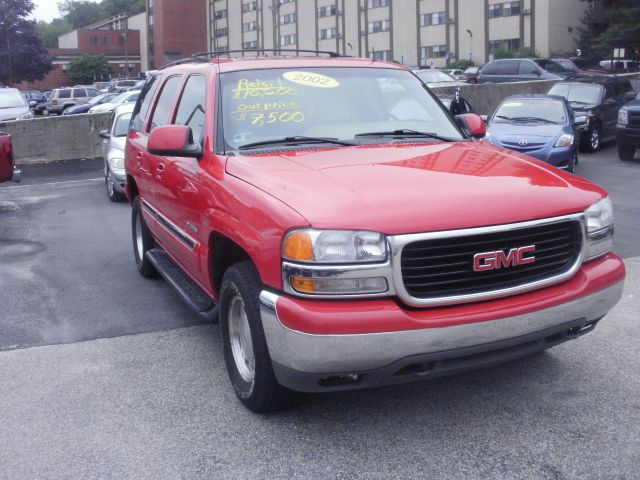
(113, 144)
(125, 97)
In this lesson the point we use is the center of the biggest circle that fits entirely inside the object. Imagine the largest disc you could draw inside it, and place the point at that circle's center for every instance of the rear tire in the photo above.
(142, 241)
(626, 153)
(244, 345)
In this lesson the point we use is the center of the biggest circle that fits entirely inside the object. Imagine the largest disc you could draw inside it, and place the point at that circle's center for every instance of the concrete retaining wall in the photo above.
(76, 136)
(57, 138)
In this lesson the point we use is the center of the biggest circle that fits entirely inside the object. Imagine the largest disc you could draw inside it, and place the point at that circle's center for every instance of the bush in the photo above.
(461, 64)
(526, 52)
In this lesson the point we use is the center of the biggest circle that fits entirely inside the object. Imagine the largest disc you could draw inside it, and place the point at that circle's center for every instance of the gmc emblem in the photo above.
(485, 261)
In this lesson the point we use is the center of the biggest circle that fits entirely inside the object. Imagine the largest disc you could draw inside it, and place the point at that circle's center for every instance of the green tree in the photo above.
(22, 54)
(114, 7)
(49, 32)
(80, 13)
(605, 24)
(89, 68)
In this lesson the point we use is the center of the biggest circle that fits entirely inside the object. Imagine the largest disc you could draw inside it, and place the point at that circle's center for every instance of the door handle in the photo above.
(160, 171)
(161, 167)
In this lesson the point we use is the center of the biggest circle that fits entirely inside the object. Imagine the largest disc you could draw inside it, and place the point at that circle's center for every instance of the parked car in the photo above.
(113, 142)
(628, 130)
(541, 126)
(470, 75)
(13, 105)
(37, 97)
(125, 97)
(346, 248)
(102, 87)
(556, 67)
(598, 99)
(514, 70)
(84, 108)
(434, 77)
(120, 86)
(63, 98)
(454, 72)
(8, 169)
(137, 86)
(619, 65)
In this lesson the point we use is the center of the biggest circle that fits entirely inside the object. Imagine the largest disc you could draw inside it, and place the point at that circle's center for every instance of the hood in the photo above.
(12, 113)
(633, 105)
(103, 107)
(526, 130)
(581, 109)
(117, 146)
(409, 188)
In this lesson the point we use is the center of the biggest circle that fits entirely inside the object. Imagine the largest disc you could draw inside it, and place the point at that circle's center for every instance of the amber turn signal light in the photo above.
(298, 246)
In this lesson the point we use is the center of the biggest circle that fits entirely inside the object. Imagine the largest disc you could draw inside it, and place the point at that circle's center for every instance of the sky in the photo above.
(46, 10)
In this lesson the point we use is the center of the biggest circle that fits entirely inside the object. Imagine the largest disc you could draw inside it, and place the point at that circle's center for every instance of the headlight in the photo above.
(116, 163)
(623, 117)
(565, 140)
(599, 228)
(26, 116)
(334, 246)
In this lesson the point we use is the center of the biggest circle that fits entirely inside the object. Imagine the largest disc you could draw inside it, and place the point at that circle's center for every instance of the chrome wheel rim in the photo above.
(595, 139)
(139, 242)
(110, 185)
(240, 339)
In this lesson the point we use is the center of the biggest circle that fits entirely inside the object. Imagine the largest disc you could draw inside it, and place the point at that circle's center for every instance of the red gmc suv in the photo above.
(349, 232)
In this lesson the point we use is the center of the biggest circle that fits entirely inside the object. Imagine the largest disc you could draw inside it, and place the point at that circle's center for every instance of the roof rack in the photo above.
(204, 56)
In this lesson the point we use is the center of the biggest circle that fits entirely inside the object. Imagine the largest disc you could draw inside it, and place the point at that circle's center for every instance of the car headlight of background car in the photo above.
(623, 116)
(335, 263)
(116, 163)
(600, 229)
(565, 140)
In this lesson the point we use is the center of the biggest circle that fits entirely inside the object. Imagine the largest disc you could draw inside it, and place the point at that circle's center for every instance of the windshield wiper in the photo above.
(297, 139)
(526, 119)
(405, 132)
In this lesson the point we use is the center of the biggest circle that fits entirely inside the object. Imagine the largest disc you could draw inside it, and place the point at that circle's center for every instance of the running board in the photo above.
(196, 298)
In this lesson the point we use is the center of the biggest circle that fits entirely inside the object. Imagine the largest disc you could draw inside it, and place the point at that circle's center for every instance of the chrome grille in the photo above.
(443, 267)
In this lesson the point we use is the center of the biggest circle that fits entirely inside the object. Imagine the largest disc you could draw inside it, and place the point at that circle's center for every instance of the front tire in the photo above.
(626, 153)
(593, 141)
(114, 196)
(142, 241)
(244, 345)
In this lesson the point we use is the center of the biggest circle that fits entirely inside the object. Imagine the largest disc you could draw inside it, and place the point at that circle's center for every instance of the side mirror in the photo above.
(104, 134)
(629, 96)
(580, 121)
(33, 104)
(173, 141)
(472, 124)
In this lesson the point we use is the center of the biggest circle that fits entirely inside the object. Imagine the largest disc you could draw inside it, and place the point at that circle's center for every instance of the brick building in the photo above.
(176, 29)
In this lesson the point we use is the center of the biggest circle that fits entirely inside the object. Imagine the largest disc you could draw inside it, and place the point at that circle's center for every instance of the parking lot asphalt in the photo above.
(121, 380)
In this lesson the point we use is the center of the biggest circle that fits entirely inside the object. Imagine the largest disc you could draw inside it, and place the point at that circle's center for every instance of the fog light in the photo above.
(339, 286)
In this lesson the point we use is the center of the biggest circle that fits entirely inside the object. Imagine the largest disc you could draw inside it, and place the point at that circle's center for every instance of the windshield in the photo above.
(125, 97)
(578, 92)
(568, 65)
(337, 103)
(122, 125)
(434, 76)
(543, 110)
(11, 99)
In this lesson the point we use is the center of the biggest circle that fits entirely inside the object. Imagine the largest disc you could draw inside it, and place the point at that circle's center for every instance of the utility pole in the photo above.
(126, 53)
(7, 36)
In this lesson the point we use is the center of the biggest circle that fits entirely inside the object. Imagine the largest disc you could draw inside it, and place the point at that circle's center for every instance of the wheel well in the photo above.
(131, 188)
(225, 253)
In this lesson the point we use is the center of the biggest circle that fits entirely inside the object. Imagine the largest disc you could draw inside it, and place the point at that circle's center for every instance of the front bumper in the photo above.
(628, 136)
(322, 362)
(119, 177)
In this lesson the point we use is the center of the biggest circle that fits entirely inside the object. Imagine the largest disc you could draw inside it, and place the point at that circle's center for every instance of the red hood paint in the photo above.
(409, 188)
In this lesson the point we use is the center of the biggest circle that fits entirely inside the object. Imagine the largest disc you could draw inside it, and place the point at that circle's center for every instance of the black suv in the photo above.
(628, 129)
(598, 98)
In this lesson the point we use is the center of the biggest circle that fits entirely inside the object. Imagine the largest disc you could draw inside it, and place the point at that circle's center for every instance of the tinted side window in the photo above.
(144, 102)
(490, 69)
(192, 105)
(609, 92)
(163, 106)
(92, 93)
(509, 67)
(64, 94)
(623, 87)
(79, 93)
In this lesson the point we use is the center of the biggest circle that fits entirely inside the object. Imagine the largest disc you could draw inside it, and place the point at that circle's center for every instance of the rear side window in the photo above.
(192, 104)
(92, 93)
(79, 93)
(144, 102)
(509, 67)
(64, 93)
(527, 68)
(163, 106)
(623, 87)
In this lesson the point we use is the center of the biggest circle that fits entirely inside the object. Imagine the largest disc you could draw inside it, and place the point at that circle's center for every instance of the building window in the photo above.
(282, 2)
(380, 26)
(251, 26)
(433, 51)
(220, 14)
(251, 44)
(288, 39)
(384, 55)
(328, 11)
(327, 33)
(93, 41)
(510, 9)
(509, 44)
(437, 18)
(288, 18)
(221, 32)
(378, 3)
(249, 7)
(103, 40)
(494, 10)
